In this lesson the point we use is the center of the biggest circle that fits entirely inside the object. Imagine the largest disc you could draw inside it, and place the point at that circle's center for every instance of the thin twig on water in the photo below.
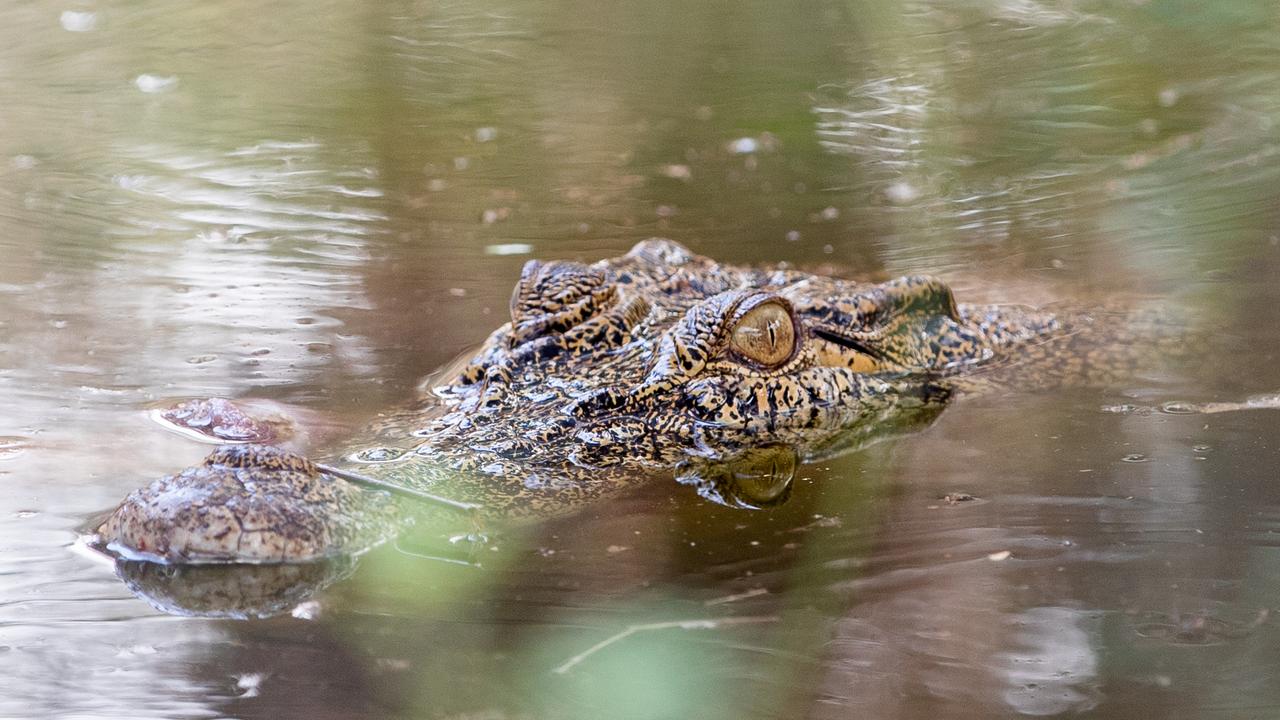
(670, 625)
(398, 490)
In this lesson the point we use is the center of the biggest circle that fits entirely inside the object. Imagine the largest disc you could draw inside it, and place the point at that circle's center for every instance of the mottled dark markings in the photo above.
(611, 371)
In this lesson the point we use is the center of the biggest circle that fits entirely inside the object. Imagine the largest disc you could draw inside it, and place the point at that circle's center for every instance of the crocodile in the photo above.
(658, 362)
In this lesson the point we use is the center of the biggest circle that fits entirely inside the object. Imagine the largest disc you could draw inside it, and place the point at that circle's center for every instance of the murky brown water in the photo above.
(317, 204)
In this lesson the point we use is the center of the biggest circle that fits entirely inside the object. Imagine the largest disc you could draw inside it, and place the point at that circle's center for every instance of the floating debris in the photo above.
(249, 684)
(155, 83)
(74, 21)
(753, 592)
(569, 664)
(677, 172)
(493, 215)
(12, 446)
(508, 249)
(901, 193)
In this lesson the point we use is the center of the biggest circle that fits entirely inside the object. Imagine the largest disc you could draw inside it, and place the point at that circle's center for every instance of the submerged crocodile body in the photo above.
(655, 362)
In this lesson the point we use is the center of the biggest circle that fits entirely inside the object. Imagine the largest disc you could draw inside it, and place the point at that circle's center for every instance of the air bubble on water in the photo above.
(744, 146)
(1135, 458)
(148, 83)
(1201, 448)
(486, 134)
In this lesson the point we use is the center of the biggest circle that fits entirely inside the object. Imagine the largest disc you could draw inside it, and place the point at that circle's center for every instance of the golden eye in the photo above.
(766, 334)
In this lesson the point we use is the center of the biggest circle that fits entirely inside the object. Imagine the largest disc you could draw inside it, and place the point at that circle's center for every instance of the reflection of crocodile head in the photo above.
(235, 591)
(659, 360)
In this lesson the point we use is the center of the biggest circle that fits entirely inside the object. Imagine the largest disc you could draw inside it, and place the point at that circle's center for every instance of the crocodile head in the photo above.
(662, 355)
(660, 360)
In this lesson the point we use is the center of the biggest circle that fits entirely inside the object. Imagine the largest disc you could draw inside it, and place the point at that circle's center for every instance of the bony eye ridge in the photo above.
(765, 332)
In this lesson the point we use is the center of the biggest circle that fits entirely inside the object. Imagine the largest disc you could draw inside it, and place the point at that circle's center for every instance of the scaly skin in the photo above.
(654, 362)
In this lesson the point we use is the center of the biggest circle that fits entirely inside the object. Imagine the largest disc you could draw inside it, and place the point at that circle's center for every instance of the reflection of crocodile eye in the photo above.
(766, 334)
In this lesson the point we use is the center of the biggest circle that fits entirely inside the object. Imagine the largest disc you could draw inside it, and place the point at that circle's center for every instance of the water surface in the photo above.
(317, 204)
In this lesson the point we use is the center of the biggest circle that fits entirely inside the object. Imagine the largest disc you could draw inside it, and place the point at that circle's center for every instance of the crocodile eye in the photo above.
(766, 334)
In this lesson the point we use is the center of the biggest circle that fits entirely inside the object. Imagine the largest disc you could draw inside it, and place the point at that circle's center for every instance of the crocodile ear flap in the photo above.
(919, 295)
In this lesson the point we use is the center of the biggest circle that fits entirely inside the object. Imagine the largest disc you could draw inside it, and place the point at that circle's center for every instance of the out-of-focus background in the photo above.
(318, 203)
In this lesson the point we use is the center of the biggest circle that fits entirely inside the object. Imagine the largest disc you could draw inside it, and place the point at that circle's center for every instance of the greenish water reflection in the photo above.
(318, 203)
